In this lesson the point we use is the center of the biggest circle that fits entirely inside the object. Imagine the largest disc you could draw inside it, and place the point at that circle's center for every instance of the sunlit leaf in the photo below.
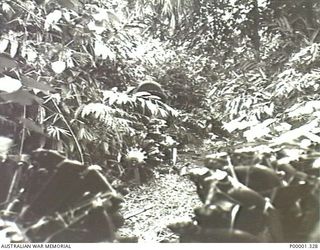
(294, 134)
(312, 137)
(163, 113)
(258, 131)
(6, 7)
(5, 145)
(240, 123)
(106, 147)
(99, 28)
(113, 19)
(57, 132)
(99, 110)
(14, 44)
(29, 53)
(269, 109)
(58, 66)
(85, 134)
(123, 98)
(172, 24)
(69, 59)
(3, 44)
(152, 107)
(112, 98)
(52, 18)
(316, 163)
(9, 84)
(100, 49)
(53, 97)
(143, 104)
(305, 108)
(282, 127)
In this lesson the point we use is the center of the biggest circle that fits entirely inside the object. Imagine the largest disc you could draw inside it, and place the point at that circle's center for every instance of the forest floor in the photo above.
(166, 199)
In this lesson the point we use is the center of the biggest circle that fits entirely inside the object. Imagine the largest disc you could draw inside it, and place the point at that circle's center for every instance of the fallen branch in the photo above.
(139, 211)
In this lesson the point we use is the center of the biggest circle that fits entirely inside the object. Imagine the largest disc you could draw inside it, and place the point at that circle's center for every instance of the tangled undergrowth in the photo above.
(123, 88)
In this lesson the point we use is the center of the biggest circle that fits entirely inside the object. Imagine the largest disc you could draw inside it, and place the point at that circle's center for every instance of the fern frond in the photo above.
(99, 110)
(56, 132)
(114, 118)
(85, 134)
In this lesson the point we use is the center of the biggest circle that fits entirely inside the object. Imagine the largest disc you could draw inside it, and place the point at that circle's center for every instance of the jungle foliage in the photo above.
(240, 78)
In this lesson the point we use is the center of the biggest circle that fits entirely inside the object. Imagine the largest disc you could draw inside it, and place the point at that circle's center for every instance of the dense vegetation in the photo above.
(123, 88)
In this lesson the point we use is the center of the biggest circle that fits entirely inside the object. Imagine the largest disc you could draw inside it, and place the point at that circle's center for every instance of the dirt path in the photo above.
(166, 199)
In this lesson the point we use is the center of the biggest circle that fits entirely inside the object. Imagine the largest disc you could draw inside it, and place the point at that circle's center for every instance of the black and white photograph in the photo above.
(159, 121)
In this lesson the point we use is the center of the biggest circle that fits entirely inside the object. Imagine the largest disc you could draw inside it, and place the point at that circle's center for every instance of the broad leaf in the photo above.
(52, 18)
(21, 96)
(9, 84)
(7, 63)
(14, 44)
(5, 144)
(31, 125)
(3, 44)
(58, 66)
(31, 83)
